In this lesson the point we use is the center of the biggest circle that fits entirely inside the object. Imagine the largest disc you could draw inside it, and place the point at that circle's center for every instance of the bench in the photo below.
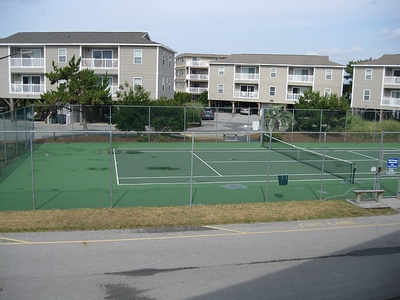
(235, 135)
(377, 192)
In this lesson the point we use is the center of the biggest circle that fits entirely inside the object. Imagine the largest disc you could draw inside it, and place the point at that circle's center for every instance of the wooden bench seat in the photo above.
(377, 192)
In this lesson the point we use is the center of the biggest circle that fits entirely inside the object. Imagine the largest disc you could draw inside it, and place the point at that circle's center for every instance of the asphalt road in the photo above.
(328, 259)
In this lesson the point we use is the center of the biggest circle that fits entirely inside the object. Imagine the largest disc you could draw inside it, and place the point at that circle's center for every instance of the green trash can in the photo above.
(283, 179)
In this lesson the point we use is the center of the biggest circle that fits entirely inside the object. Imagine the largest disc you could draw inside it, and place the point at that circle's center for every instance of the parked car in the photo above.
(245, 111)
(207, 114)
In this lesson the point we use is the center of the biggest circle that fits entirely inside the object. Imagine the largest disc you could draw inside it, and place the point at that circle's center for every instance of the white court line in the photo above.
(116, 167)
(207, 164)
(367, 156)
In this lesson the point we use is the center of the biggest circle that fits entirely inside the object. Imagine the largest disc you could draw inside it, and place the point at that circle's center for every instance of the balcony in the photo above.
(245, 95)
(28, 62)
(196, 90)
(197, 77)
(27, 88)
(247, 76)
(197, 63)
(392, 80)
(293, 96)
(301, 78)
(96, 63)
(393, 102)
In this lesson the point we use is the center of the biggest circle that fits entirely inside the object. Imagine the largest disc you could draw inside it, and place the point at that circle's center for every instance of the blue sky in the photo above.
(342, 29)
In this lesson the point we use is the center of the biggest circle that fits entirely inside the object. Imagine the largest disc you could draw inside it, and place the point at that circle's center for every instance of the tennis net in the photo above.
(335, 166)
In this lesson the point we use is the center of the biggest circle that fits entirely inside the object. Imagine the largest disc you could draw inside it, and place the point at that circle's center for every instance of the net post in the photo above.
(268, 165)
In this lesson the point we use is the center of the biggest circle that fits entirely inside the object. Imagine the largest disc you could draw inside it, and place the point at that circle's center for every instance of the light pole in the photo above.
(16, 53)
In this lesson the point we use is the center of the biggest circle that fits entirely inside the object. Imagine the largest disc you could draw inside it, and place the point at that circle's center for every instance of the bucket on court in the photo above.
(283, 179)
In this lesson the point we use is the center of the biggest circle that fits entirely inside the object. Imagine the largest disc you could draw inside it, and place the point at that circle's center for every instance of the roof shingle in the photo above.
(78, 38)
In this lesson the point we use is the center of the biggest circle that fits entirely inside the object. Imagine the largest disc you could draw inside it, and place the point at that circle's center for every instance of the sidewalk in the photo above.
(391, 202)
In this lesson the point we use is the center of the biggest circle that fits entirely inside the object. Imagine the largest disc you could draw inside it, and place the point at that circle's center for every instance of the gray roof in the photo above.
(206, 55)
(384, 60)
(278, 59)
(78, 38)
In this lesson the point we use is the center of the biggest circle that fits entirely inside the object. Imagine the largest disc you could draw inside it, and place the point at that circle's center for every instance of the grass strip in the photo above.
(179, 216)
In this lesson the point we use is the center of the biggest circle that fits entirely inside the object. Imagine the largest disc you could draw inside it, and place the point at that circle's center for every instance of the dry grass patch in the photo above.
(178, 216)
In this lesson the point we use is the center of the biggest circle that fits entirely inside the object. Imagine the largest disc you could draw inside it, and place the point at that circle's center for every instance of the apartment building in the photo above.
(124, 56)
(376, 84)
(259, 80)
(191, 72)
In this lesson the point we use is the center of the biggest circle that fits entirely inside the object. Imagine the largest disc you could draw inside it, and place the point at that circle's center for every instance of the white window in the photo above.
(137, 81)
(272, 90)
(220, 88)
(367, 95)
(62, 55)
(327, 92)
(102, 58)
(328, 74)
(221, 71)
(368, 74)
(137, 56)
(163, 58)
(273, 72)
(248, 70)
(395, 94)
(31, 84)
(163, 85)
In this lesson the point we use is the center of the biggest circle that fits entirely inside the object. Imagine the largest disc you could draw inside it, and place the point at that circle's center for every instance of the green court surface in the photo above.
(92, 175)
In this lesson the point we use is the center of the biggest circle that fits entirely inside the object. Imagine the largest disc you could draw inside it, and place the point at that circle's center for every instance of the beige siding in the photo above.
(335, 84)
(360, 84)
(146, 70)
(226, 80)
(4, 82)
(51, 54)
(279, 82)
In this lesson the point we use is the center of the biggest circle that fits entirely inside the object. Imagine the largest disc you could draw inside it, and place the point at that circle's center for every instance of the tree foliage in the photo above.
(136, 111)
(313, 111)
(276, 117)
(75, 86)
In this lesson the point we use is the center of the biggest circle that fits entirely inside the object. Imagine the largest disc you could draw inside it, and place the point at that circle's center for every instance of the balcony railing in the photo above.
(392, 80)
(196, 63)
(29, 62)
(395, 102)
(196, 90)
(95, 63)
(27, 88)
(292, 96)
(240, 94)
(197, 77)
(301, 78)
(247, 76)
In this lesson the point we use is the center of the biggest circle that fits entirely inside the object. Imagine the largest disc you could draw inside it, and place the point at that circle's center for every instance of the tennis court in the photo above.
(60, 175)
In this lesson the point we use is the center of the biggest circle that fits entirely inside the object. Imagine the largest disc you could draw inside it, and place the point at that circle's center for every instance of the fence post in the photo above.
(111, 171)
(33, 172)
